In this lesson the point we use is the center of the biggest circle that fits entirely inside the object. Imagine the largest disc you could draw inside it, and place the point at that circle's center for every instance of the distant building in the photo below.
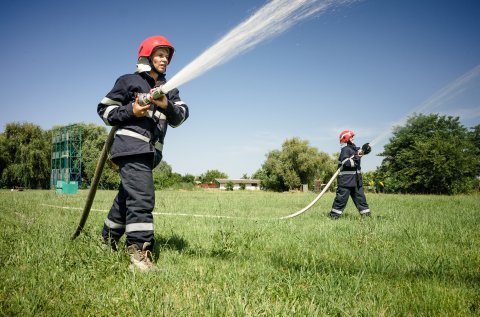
(206, 185)
(250, 184)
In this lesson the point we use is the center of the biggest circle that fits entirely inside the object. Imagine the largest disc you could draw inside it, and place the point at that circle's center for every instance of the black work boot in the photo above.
(334, 215)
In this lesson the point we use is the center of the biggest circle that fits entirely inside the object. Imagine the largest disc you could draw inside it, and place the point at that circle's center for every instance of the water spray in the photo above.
(269, 21)
(437, 99)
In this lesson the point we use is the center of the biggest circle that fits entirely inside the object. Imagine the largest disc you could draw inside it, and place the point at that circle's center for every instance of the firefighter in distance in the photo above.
(350, 177)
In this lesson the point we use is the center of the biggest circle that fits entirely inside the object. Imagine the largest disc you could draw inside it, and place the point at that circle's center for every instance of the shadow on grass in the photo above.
(173, 242)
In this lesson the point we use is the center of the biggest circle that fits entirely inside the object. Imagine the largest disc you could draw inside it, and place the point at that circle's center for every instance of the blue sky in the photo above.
(361, 66)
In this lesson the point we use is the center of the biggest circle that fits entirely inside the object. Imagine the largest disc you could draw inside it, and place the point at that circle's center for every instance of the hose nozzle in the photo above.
(366, 148)
(146, 98)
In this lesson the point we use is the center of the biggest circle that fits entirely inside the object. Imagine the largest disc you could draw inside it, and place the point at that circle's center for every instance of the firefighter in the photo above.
(137, 148)
(350, 176)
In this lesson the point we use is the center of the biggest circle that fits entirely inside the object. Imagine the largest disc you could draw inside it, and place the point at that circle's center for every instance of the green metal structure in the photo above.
(66, 173)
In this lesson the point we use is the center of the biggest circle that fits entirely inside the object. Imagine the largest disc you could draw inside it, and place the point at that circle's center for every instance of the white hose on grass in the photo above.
(316, 198)
(220, 216)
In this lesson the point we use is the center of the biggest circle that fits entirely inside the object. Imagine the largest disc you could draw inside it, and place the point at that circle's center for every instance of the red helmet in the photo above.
(147, 46)
(346, 135)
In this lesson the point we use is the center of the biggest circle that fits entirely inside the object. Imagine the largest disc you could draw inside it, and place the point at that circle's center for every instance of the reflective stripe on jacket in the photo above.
(145, 134)
(350, 175)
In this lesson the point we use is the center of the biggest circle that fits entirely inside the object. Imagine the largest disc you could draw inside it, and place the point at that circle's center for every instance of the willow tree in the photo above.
(25, 156)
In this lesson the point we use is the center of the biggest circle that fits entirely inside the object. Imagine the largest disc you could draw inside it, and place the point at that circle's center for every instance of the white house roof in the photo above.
(237, 181)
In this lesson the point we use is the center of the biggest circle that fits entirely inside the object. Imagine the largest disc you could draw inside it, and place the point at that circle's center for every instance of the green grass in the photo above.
(416, 256)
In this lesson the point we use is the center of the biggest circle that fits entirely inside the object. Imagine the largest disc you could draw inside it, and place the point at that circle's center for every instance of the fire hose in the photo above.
(95, 181)
(143, 99)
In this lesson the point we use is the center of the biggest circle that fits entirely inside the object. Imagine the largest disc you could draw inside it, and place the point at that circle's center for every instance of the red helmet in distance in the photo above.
(346, 135)
(149, 44)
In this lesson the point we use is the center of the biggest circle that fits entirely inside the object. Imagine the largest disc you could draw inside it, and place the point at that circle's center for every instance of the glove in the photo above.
(366, 148)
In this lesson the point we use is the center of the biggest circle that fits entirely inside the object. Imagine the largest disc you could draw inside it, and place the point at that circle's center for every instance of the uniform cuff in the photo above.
(129, 109)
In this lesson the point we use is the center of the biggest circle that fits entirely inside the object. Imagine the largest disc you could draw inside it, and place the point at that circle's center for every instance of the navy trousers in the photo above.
(341, 200)
(131, 211)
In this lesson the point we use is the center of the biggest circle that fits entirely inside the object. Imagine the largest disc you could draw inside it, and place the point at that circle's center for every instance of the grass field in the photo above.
(416, 256)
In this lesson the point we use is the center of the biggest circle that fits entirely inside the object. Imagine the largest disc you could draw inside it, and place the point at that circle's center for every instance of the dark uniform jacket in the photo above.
(350, 175)
(145, 134)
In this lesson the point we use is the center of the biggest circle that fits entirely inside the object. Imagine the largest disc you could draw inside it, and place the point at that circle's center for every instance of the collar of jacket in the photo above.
(150, 80)
(161, 80)
(353, 146)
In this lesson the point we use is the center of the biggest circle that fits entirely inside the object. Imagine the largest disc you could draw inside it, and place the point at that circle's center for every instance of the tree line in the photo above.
(430, 154)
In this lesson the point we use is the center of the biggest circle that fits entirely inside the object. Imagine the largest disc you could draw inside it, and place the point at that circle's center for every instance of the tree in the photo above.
(372, 182)
(162, 175)
(25, 157)
(229, 186)
(188, 178)
(296, 164)
(475, 138)
(430, 154)
(243, 186)
(4, 156)
(210, 176)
